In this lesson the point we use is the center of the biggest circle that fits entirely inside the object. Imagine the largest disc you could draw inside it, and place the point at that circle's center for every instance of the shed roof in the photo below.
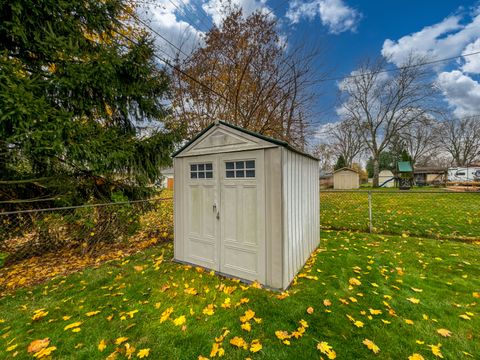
(346, 169)
(249, 132)
(404, 166)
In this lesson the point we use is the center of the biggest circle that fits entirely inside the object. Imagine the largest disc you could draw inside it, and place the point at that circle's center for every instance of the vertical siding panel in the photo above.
(301, 210)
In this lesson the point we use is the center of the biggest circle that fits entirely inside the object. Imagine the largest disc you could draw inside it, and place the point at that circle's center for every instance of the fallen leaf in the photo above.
(444, 332)
(371, 346)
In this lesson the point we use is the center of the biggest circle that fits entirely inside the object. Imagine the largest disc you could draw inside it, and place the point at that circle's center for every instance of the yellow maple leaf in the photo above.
(282, 335)
(303, 323)
(416, 290)
(255, 346)
(38, 314)
(121, 340)
(354, 281)
(37, 345)
(143, 353)
(45, 352)
(249, 314)
(444, 332)
(217, 350)
(246, 326)
(413, 300)
(180, 320)
(416, 357)
(375, 312)
(310, 310)
(465, 317)
(12, 347)
(92, 313)
(326, 349)
(102, 345)
(358, 323)
(436, 350)
(371, 346)
(476, 295)
(409, 322)
(166, 314)
(72, 325)
(209, 310)
(239, 342)
(327, 302)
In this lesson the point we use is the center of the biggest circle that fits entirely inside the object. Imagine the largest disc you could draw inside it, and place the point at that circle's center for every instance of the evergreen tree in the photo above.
(74, 89)
(341, 163)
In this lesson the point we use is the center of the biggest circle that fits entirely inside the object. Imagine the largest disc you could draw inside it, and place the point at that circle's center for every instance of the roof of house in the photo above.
(346, 169)
(249, 132)
(404, 166)
(429, 170)
(167, 171)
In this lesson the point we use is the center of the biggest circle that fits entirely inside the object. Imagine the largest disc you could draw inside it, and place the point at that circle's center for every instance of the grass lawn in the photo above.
(405, 289)
(441, 215)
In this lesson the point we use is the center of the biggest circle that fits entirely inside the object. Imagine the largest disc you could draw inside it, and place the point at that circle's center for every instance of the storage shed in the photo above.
(246, 205)
(386, 179)
(346, 179)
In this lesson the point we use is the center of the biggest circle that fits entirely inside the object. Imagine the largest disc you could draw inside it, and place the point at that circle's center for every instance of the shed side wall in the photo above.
(300, 211)
(273, 217)
(178, 200)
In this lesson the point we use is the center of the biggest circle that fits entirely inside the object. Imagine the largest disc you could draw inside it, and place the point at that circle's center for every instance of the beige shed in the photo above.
(346, 179)
(246, 205)
(386, 179)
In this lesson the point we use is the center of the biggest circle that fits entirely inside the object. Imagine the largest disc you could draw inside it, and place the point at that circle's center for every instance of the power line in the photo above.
(399, 68)
(166, 62)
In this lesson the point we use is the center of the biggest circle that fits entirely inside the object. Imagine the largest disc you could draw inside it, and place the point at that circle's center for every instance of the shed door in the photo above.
(242, 215)
(201, 225)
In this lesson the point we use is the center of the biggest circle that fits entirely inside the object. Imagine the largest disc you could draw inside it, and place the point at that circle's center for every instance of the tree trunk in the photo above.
(376, 171)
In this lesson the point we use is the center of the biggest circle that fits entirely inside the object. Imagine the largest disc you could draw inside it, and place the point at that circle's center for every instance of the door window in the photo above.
(240, 169)
(201, 171)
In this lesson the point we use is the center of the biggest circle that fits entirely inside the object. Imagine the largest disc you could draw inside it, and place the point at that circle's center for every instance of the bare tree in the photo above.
(247, 77)
(346, 141)
(461, 139)
(383, 104)
(325, 153)
(419, 139)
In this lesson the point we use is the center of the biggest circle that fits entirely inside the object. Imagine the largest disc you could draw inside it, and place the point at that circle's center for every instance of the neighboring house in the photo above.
(167, 178)
(429, 175)
(326, 179)
(386, 179)
(346, 179)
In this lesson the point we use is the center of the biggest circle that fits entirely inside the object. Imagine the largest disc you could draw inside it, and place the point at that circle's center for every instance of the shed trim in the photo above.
(346, 169)
(249, 132)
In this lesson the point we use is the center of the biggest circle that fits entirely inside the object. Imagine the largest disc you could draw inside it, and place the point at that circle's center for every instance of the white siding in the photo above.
(301, 218)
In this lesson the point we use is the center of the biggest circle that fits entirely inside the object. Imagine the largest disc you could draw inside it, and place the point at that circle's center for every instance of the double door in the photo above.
(225, 213)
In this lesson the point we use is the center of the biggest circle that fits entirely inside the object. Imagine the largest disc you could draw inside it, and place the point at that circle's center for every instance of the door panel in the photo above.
(201, 227)
(242, 240)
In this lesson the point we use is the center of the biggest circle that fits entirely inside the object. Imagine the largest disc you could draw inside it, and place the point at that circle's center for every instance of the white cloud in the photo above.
(334, 14)
(214, 8)
(472, 63)
(442, 40)
(461, 92)
(166, 19)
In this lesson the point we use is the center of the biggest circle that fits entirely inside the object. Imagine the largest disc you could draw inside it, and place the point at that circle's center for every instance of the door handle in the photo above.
(218, 215)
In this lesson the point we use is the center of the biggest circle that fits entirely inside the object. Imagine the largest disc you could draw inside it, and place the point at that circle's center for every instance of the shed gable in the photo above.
(221, 138)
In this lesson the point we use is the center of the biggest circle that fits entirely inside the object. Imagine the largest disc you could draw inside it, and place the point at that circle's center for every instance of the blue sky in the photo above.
(347, 31)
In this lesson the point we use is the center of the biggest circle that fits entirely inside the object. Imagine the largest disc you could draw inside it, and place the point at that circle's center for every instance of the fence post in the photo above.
(370, 212)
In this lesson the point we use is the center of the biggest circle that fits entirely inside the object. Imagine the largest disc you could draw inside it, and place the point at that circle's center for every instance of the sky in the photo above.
(348, 31)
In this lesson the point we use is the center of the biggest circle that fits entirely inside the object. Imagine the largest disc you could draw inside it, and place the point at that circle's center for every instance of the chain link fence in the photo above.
(84, 229)
(438, 214)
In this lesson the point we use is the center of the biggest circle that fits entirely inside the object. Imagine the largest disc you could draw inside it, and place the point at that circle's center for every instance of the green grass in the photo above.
(387, 266)
(441, 215)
